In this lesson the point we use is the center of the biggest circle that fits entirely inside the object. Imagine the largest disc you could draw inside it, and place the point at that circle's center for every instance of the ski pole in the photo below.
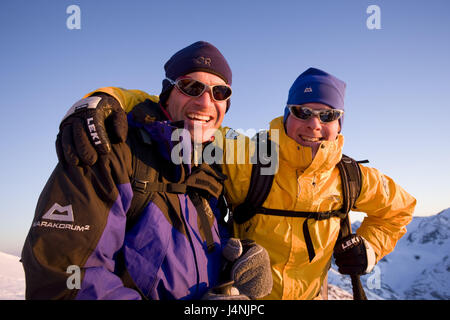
(358, 290)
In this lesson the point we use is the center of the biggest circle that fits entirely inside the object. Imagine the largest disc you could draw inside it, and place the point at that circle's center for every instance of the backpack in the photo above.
(151, 184)
(260, 186)
(152, 181)
(152, 175)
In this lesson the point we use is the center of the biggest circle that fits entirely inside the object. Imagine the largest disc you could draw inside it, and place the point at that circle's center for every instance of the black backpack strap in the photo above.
(143, 174)
(144, 179)
(351, 188)
(206, 217)
(206, 179)
(204, 182)
(259, 187)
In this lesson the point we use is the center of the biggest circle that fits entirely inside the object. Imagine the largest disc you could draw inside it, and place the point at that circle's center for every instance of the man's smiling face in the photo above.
(202, 113)
(311, 132)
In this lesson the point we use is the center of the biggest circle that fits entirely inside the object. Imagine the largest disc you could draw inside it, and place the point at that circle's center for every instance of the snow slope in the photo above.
(12, 278)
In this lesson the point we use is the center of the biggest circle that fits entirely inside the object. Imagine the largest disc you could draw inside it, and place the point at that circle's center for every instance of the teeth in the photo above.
(195, 116)
(309, 139)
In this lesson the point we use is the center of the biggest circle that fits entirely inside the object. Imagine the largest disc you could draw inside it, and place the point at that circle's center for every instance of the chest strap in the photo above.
(260, 186)
(308, 215)
(145, 186)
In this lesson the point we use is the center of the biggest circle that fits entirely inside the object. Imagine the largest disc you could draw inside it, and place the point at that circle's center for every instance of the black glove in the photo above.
(89, 128)
(249, 267)
(352, 255)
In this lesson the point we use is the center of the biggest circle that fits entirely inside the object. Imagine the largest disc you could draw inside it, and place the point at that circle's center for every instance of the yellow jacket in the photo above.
(303, 184)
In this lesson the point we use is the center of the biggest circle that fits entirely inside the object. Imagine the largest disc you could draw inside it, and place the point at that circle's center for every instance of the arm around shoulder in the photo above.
(128, 98)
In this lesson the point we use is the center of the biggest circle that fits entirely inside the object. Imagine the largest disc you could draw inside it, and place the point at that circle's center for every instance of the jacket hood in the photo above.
(300, 157)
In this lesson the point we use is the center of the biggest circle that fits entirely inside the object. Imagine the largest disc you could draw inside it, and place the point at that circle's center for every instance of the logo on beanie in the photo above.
(203, 60)
(307, 89)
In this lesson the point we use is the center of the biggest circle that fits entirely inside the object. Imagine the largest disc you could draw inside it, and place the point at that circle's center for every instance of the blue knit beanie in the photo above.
(315, 85)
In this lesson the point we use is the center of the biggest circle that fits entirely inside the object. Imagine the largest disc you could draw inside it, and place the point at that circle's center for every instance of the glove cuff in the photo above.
(89, 102)
(233, 249)
(371, 256)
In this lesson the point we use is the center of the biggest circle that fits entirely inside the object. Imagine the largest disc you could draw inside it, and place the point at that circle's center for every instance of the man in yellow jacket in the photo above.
(308, 181)
(310, 146)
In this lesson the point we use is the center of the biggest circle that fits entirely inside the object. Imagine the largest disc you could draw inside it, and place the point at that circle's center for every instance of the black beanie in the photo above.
(199, 56)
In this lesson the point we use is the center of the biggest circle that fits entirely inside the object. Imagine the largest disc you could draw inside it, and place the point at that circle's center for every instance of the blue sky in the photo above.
(398, 78)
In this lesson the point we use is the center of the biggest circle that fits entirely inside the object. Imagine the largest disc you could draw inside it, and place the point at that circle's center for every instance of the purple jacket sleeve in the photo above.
(99, 281)
(80, 222)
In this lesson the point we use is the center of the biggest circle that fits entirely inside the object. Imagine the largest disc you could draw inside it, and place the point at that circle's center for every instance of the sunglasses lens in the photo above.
(195, 88)
(221, 92)
(191, 87)
(329, 115)
(301, 112)
(304, 113)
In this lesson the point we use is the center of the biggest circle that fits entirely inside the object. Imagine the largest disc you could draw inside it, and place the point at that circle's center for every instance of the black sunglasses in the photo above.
(304, 113)
(195, 88)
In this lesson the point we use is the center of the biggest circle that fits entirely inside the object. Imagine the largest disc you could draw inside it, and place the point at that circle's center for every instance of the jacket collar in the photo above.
(300, 157)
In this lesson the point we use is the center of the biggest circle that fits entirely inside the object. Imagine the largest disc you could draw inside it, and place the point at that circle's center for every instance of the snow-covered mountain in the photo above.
(418, 268)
